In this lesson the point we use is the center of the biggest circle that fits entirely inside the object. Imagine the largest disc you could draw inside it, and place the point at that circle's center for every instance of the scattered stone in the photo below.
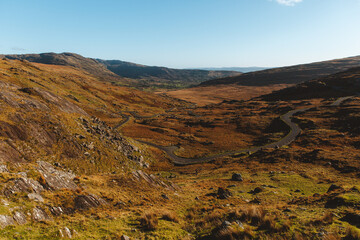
(237, 177)
(223, 193)
(257, 190)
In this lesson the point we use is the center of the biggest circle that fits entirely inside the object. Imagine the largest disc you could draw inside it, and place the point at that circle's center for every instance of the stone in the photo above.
(56, 179)
(6, 221)
(25, 185)
(39, 215)
(56, 211)
(257, 190)
(65, 233)
(20, 218)
(223, 193)
(3, 168)
(85, 202)
(237, 177)
(36, 197)
(124, 237)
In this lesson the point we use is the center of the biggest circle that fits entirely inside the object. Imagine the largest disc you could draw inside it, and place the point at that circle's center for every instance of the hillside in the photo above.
(289, 75)
(126, 73)
(345, 83)
(84, 159)
(161, 76)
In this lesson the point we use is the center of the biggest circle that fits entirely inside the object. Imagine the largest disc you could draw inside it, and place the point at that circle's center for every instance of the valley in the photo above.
(84, 158)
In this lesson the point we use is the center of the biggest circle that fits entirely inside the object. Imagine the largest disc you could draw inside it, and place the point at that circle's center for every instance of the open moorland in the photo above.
(83, 158)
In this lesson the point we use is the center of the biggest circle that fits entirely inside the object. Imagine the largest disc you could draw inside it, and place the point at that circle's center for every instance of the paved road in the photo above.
(295, 130)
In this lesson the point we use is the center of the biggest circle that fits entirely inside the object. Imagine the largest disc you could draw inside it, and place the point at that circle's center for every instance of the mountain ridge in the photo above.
(290, 74)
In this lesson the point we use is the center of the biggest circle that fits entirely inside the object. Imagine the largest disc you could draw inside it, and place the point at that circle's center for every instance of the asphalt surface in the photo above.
(295, 130)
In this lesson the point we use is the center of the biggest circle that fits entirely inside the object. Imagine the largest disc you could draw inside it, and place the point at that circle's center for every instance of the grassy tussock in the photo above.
(149, 221)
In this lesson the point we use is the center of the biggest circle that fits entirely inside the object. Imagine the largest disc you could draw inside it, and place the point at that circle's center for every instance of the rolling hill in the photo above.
(345, 83)
(289, 75)
(126, 73)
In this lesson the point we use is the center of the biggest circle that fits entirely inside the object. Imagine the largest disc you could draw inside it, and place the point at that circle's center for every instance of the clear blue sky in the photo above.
(185, 33)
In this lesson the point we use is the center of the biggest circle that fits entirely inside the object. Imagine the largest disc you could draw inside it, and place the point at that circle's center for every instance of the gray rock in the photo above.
(65, 233)
(39, 214)
(6, 221)
(35, 197)
(85, 202)
(25, 185)
(237, 177)
(56, 211)
(20, 218)
(3, 169)
(124, 237)
(56, 179)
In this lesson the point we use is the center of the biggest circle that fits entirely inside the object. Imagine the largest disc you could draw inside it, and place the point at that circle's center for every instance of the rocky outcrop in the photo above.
(25, 185)
(56, 179)
(85, 202)
(6, 221)
(39, 214)
(152, 180)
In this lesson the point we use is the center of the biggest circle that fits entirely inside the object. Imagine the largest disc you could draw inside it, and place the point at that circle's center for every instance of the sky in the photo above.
(185, 33)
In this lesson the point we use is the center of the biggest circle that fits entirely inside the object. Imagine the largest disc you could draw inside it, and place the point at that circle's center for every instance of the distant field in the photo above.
(216, 94)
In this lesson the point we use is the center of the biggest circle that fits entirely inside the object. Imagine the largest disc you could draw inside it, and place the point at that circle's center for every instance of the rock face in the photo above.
(56, 179)
(152, 180)
(85, 202)
(237, 177)
(25, 185)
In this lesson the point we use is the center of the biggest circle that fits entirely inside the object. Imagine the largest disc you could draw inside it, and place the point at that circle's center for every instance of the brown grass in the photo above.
(149, 221)
(216, 94)
(170, 216)
(352, 233)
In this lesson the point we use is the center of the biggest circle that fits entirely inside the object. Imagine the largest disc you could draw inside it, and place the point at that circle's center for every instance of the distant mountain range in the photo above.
(288, 75)
(127, 73)
(236, 69)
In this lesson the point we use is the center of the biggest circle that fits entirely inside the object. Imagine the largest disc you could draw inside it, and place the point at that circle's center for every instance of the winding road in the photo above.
(295, 130)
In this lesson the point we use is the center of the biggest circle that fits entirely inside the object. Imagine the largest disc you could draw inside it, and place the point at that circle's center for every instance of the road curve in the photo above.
(295, 130)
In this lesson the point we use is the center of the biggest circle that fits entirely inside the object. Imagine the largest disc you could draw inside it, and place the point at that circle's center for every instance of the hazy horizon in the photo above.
(186, 34)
